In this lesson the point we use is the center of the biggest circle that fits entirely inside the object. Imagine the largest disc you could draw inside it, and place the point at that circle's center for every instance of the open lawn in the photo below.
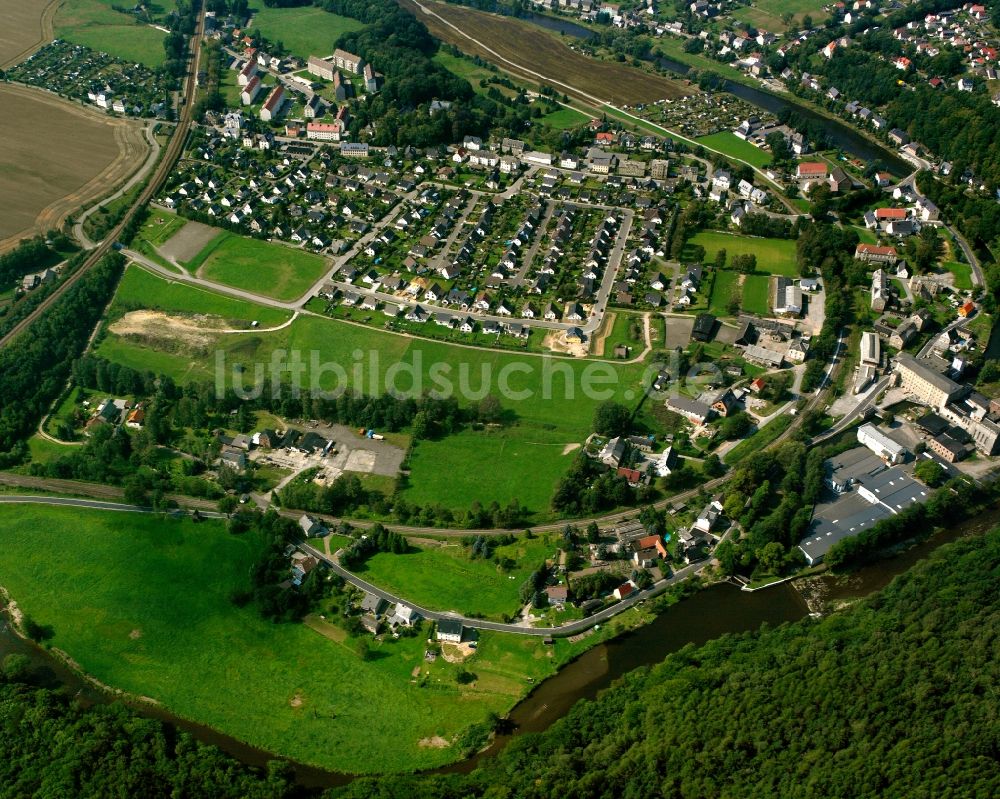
(530, 52)
(271, 270)
(565, 118)
(143, 603)
(759, 439)
(867, 236)
(673, 47)
(160, 226)
(769, 14)
(440, 577)
(143, 289)
(757, 294)
(729, 143)
(962, 273)
(303, 31)
(451, 471)
(725, 287)
(549, 399)
(95, 24)
(56, 156)
(774, 256)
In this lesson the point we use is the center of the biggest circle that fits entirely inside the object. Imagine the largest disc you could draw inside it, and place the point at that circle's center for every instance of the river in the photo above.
(841, 135)
(715, 611)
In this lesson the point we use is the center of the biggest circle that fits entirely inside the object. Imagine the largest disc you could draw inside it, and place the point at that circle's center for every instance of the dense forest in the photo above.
(891, 697)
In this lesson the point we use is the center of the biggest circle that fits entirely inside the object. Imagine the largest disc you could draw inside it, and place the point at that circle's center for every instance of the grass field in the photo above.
(730, 144)
(548, 397)
(529, 49)
(142, 289)
(962, 273)
(451, 471)
(271, 270)
(757, 294)
(774, 256)
(565, 118)
(758, 440)
(867, 236)
(142, 603)
(95, 24)
(724, 288)
(303, 31)
(673, 47)
(439, 577)
(160, 226)
(55, 157)
(768, 14)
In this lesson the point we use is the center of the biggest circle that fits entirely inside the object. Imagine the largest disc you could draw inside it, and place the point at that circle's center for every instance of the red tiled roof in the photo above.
(812, 168)
(872, 249)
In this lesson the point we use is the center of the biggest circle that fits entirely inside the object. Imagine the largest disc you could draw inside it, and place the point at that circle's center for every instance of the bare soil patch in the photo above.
(437, 742)
(187, 242)
(539, 56)
(169, 331)
(56, 158)
(27, 24)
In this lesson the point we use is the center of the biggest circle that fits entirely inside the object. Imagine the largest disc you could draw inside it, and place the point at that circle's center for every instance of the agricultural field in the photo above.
(271, 270)
(730, 144)
(303, 31)
(96, 24)
(143, 603)
(523, 49)
(565, 118)
(552, 414)
(56, 157)
(438, 576)
(24, 27)
(774, 256)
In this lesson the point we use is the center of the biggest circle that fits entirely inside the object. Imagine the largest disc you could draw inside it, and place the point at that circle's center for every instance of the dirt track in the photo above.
(27, 25)
(530, 52)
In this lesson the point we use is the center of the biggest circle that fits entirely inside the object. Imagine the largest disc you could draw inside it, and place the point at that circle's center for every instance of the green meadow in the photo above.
(551, 400)
(142, 603)
(729, 143)
(774, 256)
(444, 577)
(96, 24)
(303, 31)
(270, 270)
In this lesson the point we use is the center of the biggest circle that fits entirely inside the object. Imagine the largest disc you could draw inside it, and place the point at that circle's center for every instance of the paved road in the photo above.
(477, 624)
(154, 153)
(572, 628)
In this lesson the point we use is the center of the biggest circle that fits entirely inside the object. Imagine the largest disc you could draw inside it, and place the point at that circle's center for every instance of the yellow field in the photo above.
(56, 157)
(26, 25)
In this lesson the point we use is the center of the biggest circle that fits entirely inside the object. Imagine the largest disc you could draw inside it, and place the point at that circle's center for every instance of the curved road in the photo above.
(572, 628)
(173, 151)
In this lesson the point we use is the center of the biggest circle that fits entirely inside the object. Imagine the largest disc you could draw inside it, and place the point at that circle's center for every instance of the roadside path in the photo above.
(433, 615)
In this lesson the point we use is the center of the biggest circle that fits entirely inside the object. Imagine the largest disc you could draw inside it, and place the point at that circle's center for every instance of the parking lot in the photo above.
(350, 452)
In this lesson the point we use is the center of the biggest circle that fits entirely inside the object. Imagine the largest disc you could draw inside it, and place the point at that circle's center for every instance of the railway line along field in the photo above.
(530, 52)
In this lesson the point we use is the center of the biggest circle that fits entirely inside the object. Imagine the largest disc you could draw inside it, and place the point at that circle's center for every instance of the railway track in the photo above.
(171, 153)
